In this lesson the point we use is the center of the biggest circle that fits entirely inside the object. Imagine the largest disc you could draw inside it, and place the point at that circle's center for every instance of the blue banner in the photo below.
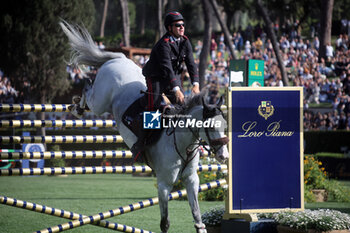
(266, 160)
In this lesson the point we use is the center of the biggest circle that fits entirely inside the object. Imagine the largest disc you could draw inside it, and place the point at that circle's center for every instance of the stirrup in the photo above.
(200, 227)
(137, 148)
(76, 111)
(137, 153)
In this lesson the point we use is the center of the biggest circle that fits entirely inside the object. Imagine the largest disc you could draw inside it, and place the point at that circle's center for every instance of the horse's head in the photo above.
(214, 135)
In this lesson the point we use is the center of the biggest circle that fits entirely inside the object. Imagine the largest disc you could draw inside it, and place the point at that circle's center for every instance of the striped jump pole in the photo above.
(109, 154)
(34, 107)
(95, 170)
(127, 209)
(44, 107)
(65, 214)
(93, 154)
(56, 123)
(6, 159)
(75, 170)
(62, 139)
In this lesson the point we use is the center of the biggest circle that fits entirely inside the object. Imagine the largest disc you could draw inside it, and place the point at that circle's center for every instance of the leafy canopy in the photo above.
(34, 47)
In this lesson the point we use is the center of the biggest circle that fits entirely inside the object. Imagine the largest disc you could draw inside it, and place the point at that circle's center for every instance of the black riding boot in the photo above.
(138, 148)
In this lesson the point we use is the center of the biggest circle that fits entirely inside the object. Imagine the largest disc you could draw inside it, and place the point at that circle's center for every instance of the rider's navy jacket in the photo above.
(165, 61)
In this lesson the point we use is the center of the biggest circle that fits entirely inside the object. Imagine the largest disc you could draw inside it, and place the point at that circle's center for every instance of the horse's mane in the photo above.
(194, 100)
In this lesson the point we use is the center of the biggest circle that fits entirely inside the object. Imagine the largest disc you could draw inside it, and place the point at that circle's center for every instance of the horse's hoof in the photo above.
(76, 99)
(200, 228)
(164, 225)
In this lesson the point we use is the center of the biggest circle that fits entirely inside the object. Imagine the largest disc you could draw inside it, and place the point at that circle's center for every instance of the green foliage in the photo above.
(213, 216)
(112, 41)
(217, 194)
(36, 46)
(143, 41)
(55, 162)
(315, 177)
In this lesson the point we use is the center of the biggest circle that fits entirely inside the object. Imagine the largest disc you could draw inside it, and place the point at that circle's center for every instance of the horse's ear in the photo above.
(205, 105)
(221, 100)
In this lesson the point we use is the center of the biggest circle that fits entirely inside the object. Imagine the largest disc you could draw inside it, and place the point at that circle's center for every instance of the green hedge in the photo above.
(326, 146)
(326, 141)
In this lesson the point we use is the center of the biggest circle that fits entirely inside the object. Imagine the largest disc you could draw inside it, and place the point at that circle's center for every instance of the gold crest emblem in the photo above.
(266, 109)
(256, 66)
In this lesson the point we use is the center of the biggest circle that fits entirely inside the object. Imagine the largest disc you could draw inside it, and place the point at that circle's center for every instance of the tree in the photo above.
(142, 18)
(230, 7)
(272, 35)
(326, 25)
(104, 16)
(126, 22)
(223, 28)
(160, 18)
(160, 11)
(35, 47)
(203, 58)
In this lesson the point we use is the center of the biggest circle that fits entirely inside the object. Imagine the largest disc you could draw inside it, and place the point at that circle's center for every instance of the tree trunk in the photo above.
(126, 22)
(230, 16)
(271, 34)
(325, 25)
(104, 16)
(160, 18)
(223, 28)
(174, 5)
(42, 131)
(203, 58)
(143, 18)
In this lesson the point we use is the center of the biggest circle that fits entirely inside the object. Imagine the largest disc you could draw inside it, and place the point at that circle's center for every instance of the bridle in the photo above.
(208, 112)
(213, 143)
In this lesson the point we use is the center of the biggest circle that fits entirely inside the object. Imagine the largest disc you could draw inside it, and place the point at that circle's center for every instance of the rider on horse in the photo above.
(163, 70)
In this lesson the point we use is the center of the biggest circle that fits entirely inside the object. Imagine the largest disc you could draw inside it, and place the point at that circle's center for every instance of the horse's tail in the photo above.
(85, 51)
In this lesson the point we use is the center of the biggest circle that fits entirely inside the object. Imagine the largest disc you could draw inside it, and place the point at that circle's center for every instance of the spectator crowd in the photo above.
(326, 81)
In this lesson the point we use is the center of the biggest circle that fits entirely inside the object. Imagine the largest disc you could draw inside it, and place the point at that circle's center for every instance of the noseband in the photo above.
(215, 142)
(207, 113)
(210, 113)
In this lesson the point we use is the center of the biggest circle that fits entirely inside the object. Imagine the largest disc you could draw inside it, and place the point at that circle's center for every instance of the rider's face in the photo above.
(178, 28)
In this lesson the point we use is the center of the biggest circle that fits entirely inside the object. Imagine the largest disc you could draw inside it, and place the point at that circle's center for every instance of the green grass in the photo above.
(320, 105)
(89, 195)
(92, 194)
(341, 206)
(329, 154)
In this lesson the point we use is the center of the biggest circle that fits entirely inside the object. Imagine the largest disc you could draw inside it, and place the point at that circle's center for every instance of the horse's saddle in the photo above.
(133, 119)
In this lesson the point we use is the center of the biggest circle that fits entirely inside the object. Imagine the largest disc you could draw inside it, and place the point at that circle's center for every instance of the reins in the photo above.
(191, 148)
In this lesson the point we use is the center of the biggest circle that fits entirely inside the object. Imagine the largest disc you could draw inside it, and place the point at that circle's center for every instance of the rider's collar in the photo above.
(174, 39)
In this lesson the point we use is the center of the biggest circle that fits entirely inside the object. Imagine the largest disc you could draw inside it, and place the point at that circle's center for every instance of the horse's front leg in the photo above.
(163, 193)
(192, 184)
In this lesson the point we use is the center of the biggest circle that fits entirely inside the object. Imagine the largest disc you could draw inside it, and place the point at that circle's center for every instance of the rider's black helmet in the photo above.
(172, 17)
